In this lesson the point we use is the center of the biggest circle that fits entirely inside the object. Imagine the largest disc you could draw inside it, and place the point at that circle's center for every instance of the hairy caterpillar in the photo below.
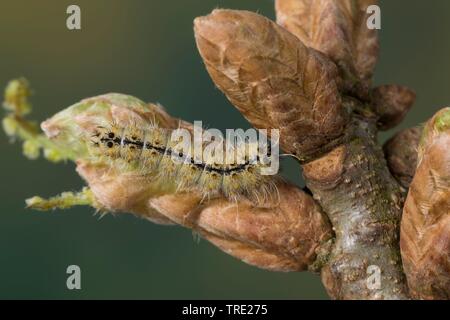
(152, 151)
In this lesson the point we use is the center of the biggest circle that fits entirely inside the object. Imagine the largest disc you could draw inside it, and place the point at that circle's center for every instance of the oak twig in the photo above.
(310, 77)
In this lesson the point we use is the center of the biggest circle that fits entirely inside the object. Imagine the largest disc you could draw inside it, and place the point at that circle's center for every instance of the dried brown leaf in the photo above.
(392, 103)
(425, 228)
(272, 78)
(338, 29)
(283, 235)
(401, 155)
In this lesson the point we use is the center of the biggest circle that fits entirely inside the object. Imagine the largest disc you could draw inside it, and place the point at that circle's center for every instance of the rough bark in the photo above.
(363, 202)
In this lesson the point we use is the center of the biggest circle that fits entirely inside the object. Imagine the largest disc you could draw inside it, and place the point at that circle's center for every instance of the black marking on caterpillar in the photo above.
(110, 142)
(151, 151)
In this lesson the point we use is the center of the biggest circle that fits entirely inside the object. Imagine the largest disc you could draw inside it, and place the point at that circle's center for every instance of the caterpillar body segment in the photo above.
(152, 151)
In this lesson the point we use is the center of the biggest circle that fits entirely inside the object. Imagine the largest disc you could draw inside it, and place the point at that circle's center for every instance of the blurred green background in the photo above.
(147, 49)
